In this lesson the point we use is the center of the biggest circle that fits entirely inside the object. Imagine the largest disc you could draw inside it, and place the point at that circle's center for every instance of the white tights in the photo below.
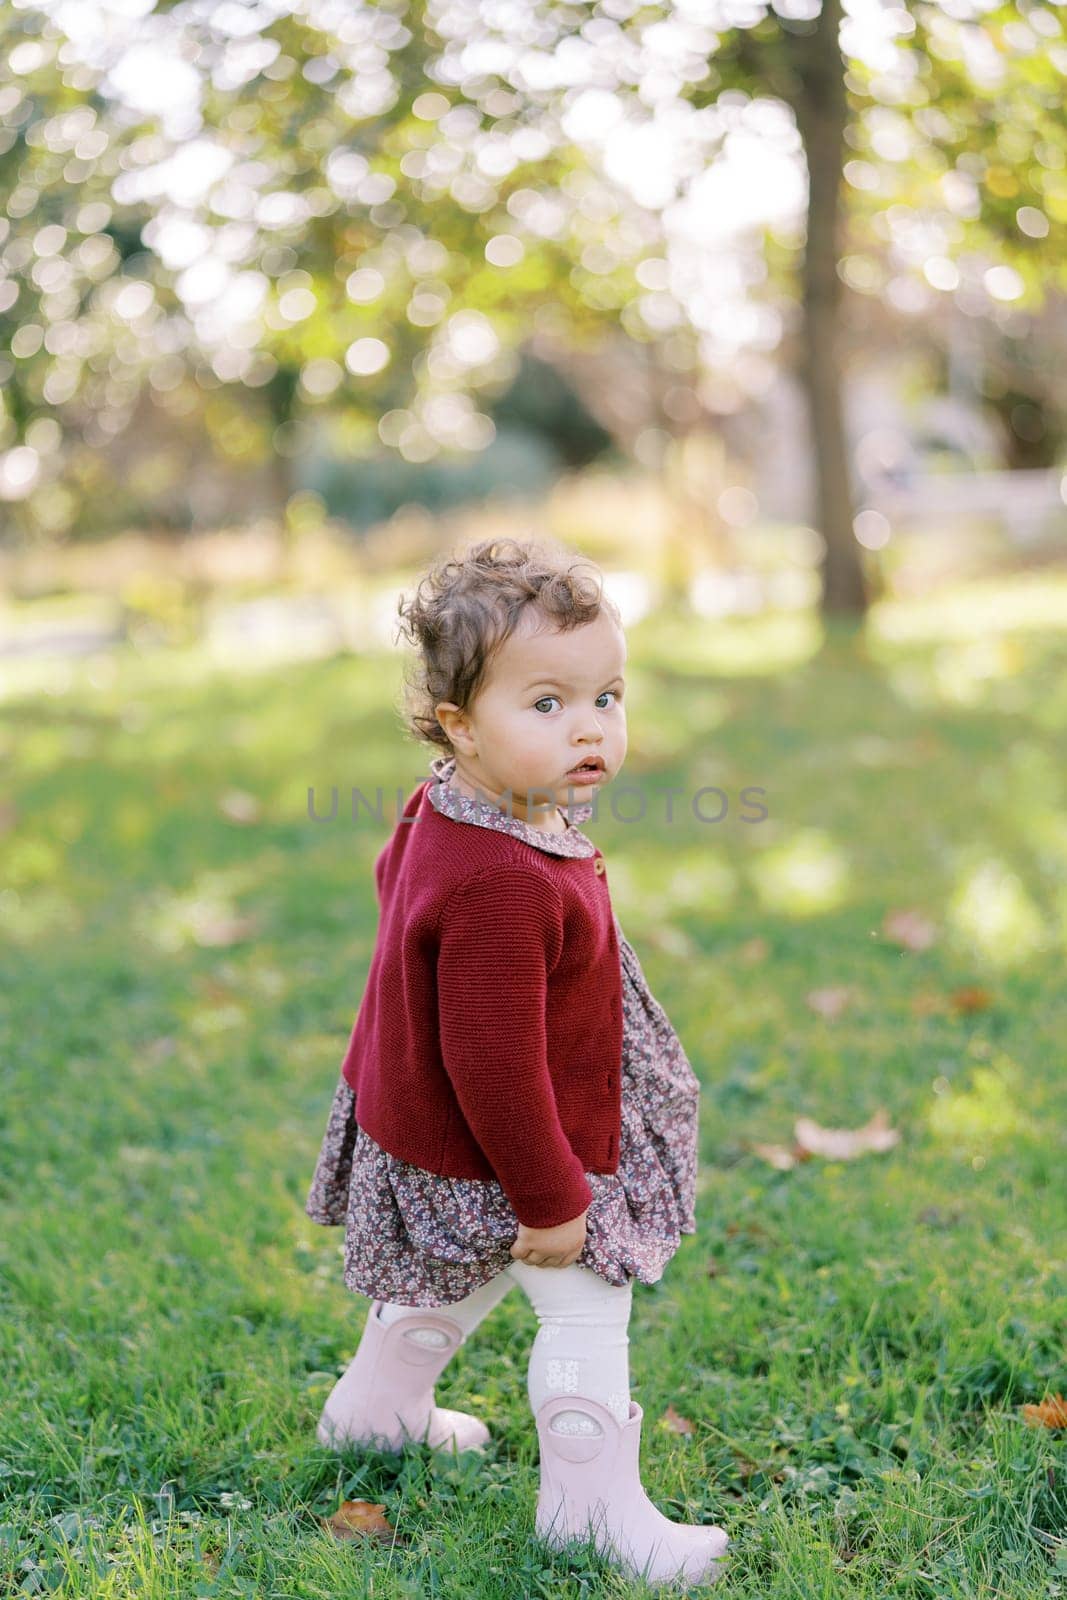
(582, 1344)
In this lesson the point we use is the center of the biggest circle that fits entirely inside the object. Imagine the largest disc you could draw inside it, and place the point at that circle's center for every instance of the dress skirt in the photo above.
(418, 1238)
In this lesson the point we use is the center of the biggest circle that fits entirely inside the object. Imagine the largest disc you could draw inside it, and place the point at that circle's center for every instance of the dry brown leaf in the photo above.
(971, 999)
(829, 1003)
(748, 1466)
(676, 1423)
(1048, 1413)
(776, 1155)
(360, 1519)
(836, 1144)
(754, 950)
(910, 928)
(239, 806)
(844, 1144)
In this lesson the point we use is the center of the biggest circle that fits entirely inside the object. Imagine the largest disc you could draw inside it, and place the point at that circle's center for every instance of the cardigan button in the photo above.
(598, 864)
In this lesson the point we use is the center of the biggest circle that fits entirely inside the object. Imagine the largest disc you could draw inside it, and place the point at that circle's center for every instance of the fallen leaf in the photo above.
(910, 928)
(780, 1156)
(971, 999)
(829, 1003)
(360, 1519)
(675, 1423)
(1048, 1413)
(748, 1466)
(844, 1144)
(836, 1144)
(239, 806)
(754, 950)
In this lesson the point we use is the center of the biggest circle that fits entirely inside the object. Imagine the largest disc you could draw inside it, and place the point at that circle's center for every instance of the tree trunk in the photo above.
(821, 110)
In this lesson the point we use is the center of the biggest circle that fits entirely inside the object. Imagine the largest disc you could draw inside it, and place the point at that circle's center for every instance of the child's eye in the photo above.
(548, 697)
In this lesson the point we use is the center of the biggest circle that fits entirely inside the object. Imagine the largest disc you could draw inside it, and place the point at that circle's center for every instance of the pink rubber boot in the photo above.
(591, 1484)
(385, 1397)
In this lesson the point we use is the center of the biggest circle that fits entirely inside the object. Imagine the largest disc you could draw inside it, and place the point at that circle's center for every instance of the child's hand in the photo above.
(551, 1247)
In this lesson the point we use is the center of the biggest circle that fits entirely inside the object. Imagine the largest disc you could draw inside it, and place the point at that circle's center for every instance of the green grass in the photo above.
(852, 1341)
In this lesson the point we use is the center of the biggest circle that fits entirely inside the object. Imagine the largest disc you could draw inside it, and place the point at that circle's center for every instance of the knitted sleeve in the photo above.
(501, 934)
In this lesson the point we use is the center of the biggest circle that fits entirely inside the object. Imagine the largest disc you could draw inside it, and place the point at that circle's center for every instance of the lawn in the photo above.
(853, 1341)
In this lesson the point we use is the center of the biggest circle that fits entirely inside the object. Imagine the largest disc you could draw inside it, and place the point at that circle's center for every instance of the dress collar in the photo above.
(461, 808)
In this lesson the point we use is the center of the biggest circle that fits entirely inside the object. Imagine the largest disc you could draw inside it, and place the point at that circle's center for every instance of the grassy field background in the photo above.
(853, 1342)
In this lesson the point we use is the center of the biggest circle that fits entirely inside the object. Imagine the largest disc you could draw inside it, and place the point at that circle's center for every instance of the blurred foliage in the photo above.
(337, 225)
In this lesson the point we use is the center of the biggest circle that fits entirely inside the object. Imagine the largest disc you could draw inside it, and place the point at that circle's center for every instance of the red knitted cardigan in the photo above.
(488, 1041)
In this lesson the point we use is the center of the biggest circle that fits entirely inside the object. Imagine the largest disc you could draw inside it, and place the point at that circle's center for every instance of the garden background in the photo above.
(761, 309)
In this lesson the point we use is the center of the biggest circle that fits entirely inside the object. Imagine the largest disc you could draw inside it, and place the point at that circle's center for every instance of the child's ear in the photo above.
(455, 725)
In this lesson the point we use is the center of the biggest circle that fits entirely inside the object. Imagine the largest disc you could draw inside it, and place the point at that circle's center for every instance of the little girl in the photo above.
(514, 1105)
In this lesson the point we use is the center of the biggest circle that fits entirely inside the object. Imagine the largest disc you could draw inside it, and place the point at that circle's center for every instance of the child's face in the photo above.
(551, 699)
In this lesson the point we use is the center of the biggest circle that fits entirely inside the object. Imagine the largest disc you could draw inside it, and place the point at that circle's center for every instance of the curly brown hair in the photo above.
(468, 603)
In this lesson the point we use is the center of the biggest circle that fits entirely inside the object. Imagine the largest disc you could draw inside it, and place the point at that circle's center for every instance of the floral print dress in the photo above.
(418, 1238)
